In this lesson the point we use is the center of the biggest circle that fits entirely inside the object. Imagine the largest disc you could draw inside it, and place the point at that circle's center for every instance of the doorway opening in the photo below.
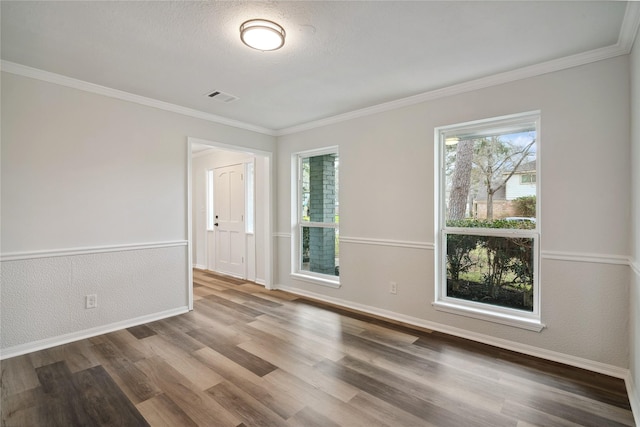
(229, 211)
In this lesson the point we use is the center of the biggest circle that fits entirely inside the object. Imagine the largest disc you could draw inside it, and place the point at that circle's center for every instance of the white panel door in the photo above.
(229, 226)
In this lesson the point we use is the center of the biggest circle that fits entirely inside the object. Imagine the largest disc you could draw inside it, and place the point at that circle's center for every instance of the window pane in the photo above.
(209, 200)
(320, 250)
(490, 269)
(319, 192)
(491, 176)
(250, 182)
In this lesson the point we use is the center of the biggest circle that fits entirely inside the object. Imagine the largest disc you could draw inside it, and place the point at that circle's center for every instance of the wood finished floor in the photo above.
(250, 357)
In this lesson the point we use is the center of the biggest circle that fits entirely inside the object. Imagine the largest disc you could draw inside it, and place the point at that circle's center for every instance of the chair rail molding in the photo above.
(49, 253)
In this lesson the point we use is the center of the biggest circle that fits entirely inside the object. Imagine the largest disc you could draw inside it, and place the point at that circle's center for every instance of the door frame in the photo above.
(267, 233)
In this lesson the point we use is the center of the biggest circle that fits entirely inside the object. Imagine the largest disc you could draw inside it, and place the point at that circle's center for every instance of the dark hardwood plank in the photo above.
(561, 410)
(230, 350)
(61, 405)
(104, 401)
(88, 397)
(133, 382)
(272, 397)
(141, 331)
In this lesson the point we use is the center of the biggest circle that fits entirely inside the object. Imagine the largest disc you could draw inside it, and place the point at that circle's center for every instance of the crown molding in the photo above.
(469, 86)
(630, 25)
(626, 37)
(35, 73)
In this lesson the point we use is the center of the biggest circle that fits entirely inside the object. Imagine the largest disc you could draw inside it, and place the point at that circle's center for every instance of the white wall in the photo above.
(387, 193)
(94, 193)
(263, 192)
(634, 336)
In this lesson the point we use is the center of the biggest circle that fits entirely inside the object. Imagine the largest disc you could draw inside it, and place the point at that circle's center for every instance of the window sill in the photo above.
(317, 280)
(490, 316)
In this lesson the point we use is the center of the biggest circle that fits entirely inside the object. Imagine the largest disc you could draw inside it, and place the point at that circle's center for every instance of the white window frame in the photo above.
(297, 221)
(250, 196)
(503, 315)
(209, 199)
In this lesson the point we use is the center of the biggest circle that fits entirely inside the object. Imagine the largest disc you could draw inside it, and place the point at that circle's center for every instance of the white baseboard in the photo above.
(567, 359)
(199, 267)
(260, 282)
(21, 349)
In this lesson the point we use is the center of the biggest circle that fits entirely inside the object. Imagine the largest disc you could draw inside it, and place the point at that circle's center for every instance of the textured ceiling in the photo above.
(338, 56)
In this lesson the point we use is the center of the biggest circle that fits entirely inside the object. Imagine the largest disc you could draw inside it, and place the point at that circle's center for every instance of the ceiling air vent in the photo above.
(222, 96)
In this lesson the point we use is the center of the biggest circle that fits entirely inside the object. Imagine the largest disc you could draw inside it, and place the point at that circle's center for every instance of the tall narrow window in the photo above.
(209, 209)
(250, 194)
(316, 236)
(488, 222)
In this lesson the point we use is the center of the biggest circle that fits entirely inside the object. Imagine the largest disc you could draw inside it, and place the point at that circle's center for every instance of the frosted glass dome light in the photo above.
(262, 34)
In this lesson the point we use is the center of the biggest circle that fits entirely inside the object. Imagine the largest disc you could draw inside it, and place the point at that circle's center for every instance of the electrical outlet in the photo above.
(393, 288)
(91, 301)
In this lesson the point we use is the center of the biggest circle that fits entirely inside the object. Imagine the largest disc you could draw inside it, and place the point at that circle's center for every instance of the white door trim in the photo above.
(189, 229)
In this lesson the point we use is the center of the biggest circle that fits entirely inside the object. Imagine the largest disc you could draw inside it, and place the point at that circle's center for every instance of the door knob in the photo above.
(216, 224)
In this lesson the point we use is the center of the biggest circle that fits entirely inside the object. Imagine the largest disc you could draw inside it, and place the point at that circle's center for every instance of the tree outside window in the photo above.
(489, 235)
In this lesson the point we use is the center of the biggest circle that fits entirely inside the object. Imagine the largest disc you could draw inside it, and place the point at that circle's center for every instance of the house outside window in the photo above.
(527, 178)
(316, 231)
(488, 233)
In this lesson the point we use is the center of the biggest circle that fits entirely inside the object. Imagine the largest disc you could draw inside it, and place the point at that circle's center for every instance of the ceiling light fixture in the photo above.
(262, 34)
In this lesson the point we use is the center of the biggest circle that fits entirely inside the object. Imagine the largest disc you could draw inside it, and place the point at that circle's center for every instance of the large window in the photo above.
(488, 234)
(316, 233)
